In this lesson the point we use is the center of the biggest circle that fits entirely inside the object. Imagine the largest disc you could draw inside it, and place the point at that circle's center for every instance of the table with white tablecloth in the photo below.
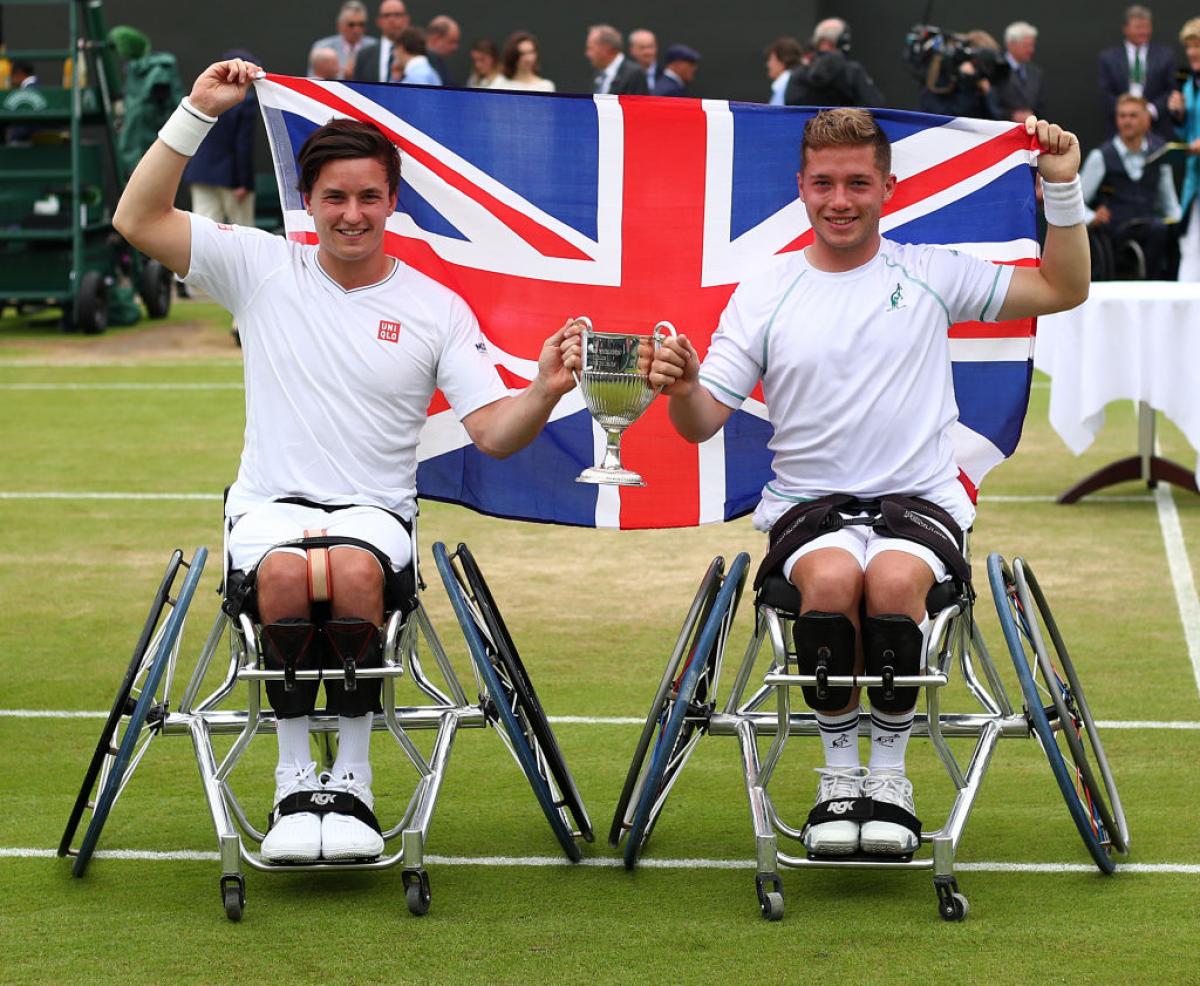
(1138, 340)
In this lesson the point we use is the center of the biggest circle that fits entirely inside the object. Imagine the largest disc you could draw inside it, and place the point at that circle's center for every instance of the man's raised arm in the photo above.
(1062, 280)
(694, 412)
(146, 215)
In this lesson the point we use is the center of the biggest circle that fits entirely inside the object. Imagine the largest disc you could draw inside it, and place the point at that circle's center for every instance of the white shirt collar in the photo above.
(610, 73)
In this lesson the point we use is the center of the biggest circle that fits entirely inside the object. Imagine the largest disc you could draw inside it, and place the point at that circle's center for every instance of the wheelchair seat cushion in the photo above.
(783, 597)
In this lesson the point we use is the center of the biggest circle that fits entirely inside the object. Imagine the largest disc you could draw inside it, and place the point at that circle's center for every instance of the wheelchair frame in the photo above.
(133, 724)
(677, 720)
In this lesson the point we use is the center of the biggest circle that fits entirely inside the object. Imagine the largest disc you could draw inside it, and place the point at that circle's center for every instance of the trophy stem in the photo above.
(612, 450)
(610, 472)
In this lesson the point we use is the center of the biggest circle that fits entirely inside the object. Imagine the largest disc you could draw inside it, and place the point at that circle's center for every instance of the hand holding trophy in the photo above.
(616, 391)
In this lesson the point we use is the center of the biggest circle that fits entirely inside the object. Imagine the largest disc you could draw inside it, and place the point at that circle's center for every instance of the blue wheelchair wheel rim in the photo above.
(112, 786)
(1063, 775)
(525, 755)
(669, 735)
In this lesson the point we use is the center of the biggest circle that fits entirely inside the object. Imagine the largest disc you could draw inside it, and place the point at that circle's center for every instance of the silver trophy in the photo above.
(615, 392)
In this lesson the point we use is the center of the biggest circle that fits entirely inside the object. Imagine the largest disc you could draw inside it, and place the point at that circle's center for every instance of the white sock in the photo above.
(293, 743)
(354, 747)
(839, 735)
(889, 739)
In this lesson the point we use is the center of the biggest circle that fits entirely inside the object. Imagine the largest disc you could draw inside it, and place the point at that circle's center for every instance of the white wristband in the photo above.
(186, 128)
(1063, 201)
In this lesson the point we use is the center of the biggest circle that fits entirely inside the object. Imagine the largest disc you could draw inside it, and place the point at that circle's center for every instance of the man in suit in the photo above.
(1139, 67)
(680, 64)
(1021, 92)
(442, 38)
(374, 60)
(351, 25)
(643, 49)
(615, 73)
(832, 78)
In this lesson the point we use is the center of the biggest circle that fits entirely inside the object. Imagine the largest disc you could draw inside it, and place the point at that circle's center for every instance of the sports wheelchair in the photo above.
(1055, 711)
(146, 706)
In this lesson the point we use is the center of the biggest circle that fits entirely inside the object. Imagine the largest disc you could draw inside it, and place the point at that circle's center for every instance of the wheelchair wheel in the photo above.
(512, 701)
(124, 704)
(117, 759)
(685, 647)
(1057, 709)
(682, 721)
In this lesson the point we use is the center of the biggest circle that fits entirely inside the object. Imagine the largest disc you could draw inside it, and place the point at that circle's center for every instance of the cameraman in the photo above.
(832, 78)
(959, 74)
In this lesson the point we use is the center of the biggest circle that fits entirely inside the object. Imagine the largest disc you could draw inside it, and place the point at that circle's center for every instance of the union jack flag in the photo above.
(538, 208)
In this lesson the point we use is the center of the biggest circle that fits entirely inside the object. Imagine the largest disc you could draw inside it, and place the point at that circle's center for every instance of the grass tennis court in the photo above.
(151, 418)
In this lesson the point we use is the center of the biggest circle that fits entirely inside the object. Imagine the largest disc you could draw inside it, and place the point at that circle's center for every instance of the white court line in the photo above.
(120, 386)
(1181, 574)
(606, 862)
(1150, 724)
(62, 495)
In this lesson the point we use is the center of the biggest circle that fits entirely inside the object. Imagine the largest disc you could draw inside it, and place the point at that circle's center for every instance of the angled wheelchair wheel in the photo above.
(660, 708)
(512, 701)
(682, 720)
(138, 711)
(1057, 709)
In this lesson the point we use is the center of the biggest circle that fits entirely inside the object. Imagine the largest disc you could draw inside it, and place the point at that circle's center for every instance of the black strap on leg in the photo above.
(825, 648)
(324, 803)
(353, 643)
(290, 645)
(893, 646)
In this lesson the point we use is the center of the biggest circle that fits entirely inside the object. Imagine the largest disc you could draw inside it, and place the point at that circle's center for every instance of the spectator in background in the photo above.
(351, 26)
(442, 38)
(409, 61)
(832, 78)
(1021, 92)
(614, 73)
(783, 55)
(374, 61)
(1139, 67)
(323, 64)
(485, 64)
(643, 49)
(965, 88)
(24, 76)
(1131, 201)
(679, 71)
(1184, 107)
(521, 65)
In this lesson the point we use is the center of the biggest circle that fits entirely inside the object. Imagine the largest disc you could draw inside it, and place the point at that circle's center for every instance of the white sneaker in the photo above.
(889, 787)
(838, 791)
(345, 837)
(294, 838)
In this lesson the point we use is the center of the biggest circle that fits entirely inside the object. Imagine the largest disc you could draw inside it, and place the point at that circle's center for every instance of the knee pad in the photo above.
(288, 646)
(352, 643)
(892, 646)
(825, 647)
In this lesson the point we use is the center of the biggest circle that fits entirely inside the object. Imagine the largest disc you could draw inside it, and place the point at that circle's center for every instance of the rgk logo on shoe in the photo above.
(840, 807)
(321, 798)
(389, 331)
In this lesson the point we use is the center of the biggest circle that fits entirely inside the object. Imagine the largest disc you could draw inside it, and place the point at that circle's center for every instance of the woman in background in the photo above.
(1184, 106)
(521, 65)
(485, 64)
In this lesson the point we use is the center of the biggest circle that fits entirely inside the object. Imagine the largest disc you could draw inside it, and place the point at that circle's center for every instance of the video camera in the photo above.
(936, 57)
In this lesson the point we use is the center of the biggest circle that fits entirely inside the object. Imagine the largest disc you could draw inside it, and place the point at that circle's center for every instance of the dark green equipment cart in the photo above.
(57, 244)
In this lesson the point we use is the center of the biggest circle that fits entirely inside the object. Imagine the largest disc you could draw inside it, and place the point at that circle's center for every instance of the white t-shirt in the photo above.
(517, 85)
(337, 381)
(855, 368)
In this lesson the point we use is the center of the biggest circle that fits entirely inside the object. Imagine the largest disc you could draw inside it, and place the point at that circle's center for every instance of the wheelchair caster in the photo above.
(233, 896)
(416, 891)
(770, 901)
(952, 905)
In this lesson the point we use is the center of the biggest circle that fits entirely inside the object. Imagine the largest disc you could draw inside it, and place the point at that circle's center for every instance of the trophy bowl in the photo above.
(615, 392)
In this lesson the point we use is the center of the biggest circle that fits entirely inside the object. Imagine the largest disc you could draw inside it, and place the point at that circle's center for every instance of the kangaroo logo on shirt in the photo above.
(389, 331)
(896, 301)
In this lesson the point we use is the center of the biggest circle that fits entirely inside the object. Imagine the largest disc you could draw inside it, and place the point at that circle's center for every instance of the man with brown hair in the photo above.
(344, 347)
(849, 339)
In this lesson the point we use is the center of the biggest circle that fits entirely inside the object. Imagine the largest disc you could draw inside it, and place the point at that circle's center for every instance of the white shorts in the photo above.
(864, 543)
(257, 531)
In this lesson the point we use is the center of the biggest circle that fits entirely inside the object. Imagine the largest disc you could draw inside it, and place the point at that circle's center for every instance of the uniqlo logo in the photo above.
(389, 331)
